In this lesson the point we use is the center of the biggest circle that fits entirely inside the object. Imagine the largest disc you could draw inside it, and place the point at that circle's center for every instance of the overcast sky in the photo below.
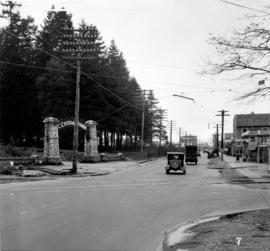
(164, 43)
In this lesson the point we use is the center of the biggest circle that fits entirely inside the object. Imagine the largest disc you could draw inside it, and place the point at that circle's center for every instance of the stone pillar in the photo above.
(51, 142)
(90, 142)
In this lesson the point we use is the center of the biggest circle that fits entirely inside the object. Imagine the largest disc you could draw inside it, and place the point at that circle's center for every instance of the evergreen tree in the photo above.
(56, 91)
(56, 82)
(55, 27)
(119, 84)
(94, 102)
(151, 114)
(19, 114)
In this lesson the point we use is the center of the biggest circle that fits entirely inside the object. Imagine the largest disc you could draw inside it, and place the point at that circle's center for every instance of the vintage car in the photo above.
(176, 162)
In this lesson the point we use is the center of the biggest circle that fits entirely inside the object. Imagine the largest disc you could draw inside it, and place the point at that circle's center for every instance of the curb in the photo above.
(18, 179)
(147, 160)
(181, 233)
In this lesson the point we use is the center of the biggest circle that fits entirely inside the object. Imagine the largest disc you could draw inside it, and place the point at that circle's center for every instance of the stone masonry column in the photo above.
(90, 142)
(51, 142)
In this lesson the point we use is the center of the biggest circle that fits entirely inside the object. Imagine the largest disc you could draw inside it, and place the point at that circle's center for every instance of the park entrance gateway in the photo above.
(51, 140)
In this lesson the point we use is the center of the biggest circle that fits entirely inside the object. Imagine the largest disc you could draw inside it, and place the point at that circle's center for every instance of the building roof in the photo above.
(252, 119)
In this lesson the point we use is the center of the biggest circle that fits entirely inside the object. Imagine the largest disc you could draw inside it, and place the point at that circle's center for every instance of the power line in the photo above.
(245, 7)
(180, 85)
(83, 73)
(110, 76)
(120, 108)
(35, 67)
(159, 65)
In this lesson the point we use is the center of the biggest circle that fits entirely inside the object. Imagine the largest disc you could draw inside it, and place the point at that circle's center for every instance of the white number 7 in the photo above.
(238, 239)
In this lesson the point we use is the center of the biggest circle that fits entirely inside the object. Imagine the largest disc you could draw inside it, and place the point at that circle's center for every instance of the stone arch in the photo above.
(51, 140)
(66, 135)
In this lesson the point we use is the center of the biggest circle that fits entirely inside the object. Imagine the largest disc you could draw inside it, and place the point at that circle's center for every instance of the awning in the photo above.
(256, 133)
(252, 145)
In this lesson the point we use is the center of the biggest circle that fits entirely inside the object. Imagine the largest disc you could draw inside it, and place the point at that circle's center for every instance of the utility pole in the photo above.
(77, 47)
(142, 127)
(141, 98)
(217, 141)
(171, 125)
(171, 137)
(223, 113)
(160, 136)
(179, 139)
(163, 115)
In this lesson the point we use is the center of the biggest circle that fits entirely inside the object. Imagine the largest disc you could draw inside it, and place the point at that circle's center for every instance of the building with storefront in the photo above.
(228, 143)
(257, 146)
(250, 122)
(251, 137)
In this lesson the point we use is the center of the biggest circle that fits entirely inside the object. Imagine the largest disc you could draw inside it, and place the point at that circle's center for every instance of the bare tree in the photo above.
(246, 54)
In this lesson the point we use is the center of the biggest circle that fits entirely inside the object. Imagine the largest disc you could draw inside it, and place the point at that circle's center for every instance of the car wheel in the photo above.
(184, 172)
(167, 171)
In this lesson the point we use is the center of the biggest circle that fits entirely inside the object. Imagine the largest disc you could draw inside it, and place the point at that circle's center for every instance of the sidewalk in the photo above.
(41, 172)
(100, 168)
(249, 169)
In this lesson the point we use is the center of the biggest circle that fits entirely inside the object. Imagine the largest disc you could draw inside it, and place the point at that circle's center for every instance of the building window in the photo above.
(263, 140)
(244, 130)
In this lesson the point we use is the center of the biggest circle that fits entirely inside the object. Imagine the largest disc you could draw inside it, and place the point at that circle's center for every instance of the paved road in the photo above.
(129, 210)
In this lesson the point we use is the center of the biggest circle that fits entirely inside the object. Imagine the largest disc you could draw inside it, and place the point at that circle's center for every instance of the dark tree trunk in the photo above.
(126, 142)
(131, 142)
(112, 141)
(135, 140)
(106, 139)
(101, 140)
(120, 141)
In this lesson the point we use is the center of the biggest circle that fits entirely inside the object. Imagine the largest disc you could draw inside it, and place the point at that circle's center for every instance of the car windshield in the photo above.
(175, 156)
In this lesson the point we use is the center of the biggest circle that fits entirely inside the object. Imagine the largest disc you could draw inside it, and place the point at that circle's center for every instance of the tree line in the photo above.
(37, 80)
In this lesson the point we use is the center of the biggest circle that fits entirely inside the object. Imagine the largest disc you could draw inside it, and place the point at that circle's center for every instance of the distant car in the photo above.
(212, 154)
(191, 154)
(175, 162)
